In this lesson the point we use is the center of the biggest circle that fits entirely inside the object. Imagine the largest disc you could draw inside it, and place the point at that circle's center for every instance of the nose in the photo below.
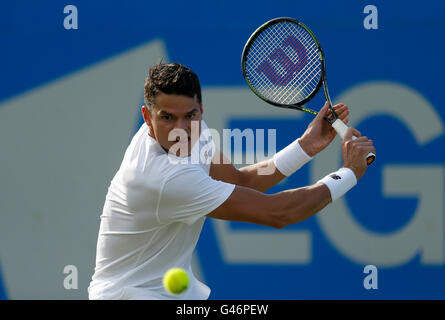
(180, 130)
(183, 124)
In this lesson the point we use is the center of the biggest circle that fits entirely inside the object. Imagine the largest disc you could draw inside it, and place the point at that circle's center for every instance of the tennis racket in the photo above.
(284, 65)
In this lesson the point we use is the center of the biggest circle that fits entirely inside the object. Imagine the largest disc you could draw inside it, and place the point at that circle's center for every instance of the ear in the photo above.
(146, 115)
(201, 109)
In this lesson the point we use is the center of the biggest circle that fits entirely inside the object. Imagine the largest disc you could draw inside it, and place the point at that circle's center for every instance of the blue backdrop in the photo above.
(208, 36)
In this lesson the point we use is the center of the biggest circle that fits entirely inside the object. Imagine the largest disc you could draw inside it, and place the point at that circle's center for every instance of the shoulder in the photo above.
(185, 175)
(189, 193)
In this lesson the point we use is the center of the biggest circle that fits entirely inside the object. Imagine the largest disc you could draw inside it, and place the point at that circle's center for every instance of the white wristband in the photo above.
(339, 182)
(291, 158)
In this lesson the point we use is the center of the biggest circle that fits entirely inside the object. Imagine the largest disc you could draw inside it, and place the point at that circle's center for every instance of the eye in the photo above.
(166, 117)
(190, 115)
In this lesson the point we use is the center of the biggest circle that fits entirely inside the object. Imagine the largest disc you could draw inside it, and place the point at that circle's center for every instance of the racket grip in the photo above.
(341, 129)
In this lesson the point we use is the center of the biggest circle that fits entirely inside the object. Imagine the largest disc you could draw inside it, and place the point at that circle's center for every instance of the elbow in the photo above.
(280, 220)
(278, 212)
(279, 225)
(290, 214)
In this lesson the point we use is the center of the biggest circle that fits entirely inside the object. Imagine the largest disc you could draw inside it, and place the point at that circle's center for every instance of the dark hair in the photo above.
(170, 78)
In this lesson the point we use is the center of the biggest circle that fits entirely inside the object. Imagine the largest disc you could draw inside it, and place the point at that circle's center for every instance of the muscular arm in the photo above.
(262, 176)
(290, 206)
(248, 203)
(276, 210)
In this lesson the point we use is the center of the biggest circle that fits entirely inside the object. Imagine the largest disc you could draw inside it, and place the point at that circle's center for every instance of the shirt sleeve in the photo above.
(191, 194)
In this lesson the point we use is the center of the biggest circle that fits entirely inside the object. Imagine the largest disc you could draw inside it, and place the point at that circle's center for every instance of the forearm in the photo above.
(260, 176)
(299, 204)
(296, 205)
(275, 210)
(278, 210)
(263, 175)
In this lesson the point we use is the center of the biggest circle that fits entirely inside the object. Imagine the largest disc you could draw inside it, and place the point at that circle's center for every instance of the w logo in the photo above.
(289, 66)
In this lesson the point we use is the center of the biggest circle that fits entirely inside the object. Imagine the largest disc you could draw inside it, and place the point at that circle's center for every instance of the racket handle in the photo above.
(341, 128)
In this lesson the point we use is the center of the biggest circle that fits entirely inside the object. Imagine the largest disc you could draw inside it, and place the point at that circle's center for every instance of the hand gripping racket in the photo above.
(284, 65)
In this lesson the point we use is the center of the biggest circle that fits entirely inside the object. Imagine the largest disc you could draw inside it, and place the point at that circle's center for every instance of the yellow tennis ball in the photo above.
(176, 280)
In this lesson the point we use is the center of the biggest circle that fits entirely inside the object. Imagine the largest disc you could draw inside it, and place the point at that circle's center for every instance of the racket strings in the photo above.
(310, 83)
(270, 39)
(283, 64)
(305, 90)
(305, 41)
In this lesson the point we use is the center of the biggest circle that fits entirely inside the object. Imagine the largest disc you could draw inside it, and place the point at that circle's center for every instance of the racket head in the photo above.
(283, 63)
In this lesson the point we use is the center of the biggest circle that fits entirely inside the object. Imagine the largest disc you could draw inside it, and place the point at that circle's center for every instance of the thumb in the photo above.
(351, 132)
(323, 111)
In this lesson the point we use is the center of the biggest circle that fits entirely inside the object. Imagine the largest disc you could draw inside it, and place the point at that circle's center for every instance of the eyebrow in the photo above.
(163, 112)
(193, 110)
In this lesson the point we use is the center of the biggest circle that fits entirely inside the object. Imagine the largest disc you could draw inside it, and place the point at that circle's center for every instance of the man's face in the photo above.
(170, 121)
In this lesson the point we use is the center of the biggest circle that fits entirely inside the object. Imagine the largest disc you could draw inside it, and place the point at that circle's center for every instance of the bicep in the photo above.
(275, 210)
(189, 195)
(222, 169)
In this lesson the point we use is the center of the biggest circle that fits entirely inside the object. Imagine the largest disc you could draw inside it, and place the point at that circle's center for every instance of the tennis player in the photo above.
(157, 203)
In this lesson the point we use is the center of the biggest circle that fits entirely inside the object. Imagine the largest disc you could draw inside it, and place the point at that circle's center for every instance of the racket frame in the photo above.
(321, 81)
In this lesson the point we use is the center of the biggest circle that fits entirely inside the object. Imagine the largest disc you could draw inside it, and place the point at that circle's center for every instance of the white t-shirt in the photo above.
(152, 218)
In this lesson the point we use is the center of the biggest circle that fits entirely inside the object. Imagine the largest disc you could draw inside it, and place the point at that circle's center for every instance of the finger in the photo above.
(363, 147)
(363, 144)
(359, 140)
(330, 115)
(342, 111)
(363, 140)
(338, 106)
(368, 150)
(343, 115)
(351, 132)
(323, 111)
